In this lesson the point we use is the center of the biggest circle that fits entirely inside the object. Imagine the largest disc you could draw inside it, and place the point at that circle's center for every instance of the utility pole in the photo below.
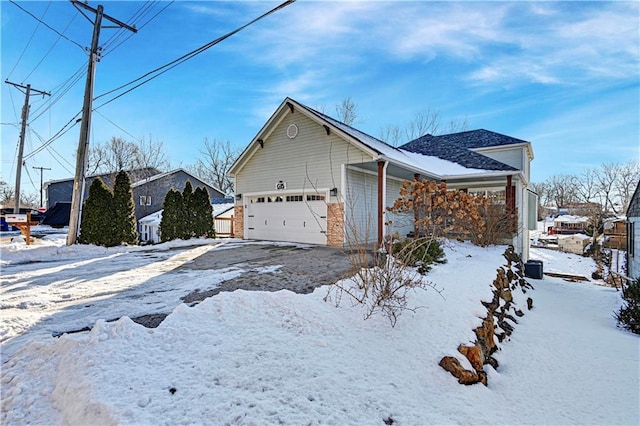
(85, 127)
(41, 169)
(23, 131)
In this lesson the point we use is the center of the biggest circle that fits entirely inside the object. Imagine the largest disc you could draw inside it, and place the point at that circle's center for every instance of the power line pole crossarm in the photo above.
(23, 131)
(85, 127)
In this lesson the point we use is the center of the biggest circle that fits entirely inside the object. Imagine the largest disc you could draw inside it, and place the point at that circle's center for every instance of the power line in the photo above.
(46, 25)
(28, 42)
(170, 65)
(139, 28)
(70, 124)
(51, 48)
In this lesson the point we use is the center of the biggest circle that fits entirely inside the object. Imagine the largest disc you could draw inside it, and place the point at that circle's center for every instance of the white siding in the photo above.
(311, 160)
(361, 203)
(633, 265)
(513, 157)
(401, 223)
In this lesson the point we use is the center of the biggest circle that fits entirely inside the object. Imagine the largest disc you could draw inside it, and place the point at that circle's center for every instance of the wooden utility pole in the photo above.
(41, 169)
(23, 130)
(85, 127)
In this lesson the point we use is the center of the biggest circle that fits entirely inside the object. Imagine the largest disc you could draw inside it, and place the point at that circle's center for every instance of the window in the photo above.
(145, 200)
(315, 197)
(294, 198)
(258, 200)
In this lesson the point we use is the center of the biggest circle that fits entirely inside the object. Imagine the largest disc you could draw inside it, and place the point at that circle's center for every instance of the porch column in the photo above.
(416, 210)
(381, 184)
(510, 194)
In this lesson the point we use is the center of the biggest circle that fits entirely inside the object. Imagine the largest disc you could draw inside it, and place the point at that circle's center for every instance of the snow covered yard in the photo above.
(284, 358)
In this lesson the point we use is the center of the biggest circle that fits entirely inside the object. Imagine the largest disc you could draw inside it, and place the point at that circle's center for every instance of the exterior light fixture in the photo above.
(333, 192)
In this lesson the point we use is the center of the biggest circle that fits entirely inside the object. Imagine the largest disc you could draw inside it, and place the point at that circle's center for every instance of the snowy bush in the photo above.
(629, 314)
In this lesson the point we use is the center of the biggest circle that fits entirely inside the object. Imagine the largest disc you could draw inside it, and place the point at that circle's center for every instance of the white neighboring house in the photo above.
(150, 228)
(633, 235)
(306, 177)
(574, 243)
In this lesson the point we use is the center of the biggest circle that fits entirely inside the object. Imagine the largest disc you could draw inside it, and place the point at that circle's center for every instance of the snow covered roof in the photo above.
(567, 218)
(577, 236)
(440, 166)
(218, 209)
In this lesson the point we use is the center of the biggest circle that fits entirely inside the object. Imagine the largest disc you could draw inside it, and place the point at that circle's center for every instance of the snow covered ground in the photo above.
(283, 358)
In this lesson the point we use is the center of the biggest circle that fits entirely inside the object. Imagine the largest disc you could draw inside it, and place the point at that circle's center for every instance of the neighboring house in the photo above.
(149, 226)
(615, 233)
(149, 189)
(574, 243)
(579, 209)
(567, 224)
(62, 190)
(306, 177)
(633, 235)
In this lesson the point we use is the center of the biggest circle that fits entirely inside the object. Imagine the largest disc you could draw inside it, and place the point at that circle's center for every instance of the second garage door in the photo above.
(300, 218)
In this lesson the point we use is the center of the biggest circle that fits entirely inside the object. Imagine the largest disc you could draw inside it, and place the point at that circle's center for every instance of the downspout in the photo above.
(382, 184)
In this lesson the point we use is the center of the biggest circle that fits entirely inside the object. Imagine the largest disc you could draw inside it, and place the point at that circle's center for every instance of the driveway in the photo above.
(265, 267)
(271, 267)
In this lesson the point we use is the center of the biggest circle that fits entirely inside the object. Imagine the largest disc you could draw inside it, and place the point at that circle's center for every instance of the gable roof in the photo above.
(460, 162)
(172, 172)
(135, 175)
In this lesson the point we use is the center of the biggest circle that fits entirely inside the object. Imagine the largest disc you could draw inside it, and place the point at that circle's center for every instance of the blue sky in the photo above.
(563, 75)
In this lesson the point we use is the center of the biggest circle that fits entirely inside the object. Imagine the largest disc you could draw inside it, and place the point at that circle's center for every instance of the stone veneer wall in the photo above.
(238, 221)
(335, 224)
(498, 323)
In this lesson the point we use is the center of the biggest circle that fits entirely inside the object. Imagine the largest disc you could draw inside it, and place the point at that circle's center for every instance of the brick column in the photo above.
(335, 224)
(238, 221)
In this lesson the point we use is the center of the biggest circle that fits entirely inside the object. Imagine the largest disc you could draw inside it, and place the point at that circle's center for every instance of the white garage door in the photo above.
(288, 217)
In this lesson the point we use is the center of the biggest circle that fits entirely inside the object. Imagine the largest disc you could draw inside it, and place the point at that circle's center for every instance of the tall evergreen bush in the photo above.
(172, 217)
(203, 210)
(125, 210)
(189, 208)
(629, 314)
(98, 216)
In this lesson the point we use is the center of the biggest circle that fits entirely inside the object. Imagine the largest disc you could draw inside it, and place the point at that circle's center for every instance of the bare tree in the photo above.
(347, 111)
(561, 190)
(151, 154)
(607, 179)
(392, 135)
(213, 167)
(421, 124)
(542, 190)
(119, 154)
(7, 193)
(628, 177)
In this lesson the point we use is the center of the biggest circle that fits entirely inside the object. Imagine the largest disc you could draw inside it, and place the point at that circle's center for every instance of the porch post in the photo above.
(381, 179)
(510, 197)
(416, 210)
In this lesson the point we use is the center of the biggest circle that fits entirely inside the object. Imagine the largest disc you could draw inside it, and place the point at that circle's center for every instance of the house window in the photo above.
(294, 198)
(315, 197)
(145, 200)
(258, 200)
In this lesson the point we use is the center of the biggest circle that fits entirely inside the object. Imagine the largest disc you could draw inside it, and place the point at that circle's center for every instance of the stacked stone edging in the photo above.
(498, 323)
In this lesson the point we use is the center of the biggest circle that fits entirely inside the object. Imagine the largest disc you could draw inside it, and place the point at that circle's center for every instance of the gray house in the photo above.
(306, 177)
(148, 185)
(633, 235)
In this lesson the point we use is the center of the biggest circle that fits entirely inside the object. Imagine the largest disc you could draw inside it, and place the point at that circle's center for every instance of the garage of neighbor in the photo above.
(295, 217)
